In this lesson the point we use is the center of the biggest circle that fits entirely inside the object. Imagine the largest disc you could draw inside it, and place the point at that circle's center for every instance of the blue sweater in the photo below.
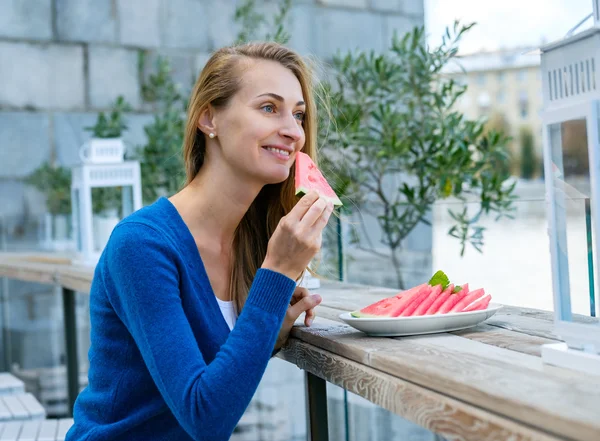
(163, 364)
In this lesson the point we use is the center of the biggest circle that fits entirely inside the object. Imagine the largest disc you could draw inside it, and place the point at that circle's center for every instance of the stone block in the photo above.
(344, 3)
(414, 7)
(70, 134)
(185, 24)
(12, 203)
(41, 76)
(24, 142)
(222, 29)
(31, 19)
(302, 28)
(199, 63)
(113, 72)
(346, 30)
(139, 22)
(387, 5)
(183, 67)
(86, 20)
(401, 25)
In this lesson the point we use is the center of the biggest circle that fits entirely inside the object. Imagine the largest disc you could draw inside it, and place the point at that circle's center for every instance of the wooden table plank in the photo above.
(9, 384)
(46, 269)
(517, 385)
(63, 427)
(450, 418)
(29, 431)
(12, 430)
(48, 430)
(14, 406)
(32, 405)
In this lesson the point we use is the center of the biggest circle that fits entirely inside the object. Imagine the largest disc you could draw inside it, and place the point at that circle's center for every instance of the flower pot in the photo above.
(103, 224)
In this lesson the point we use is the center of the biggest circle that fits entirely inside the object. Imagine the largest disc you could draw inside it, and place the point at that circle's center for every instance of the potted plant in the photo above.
(106, 144)
(55, 183)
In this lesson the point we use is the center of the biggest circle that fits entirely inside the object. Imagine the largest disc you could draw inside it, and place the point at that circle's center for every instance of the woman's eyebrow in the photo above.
(279, 98)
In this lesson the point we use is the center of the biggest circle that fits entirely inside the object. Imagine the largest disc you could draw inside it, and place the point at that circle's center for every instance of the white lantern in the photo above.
(571, 119)
(102, 166)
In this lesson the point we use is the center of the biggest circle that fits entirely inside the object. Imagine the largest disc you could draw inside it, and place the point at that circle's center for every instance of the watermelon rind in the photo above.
(334, 199)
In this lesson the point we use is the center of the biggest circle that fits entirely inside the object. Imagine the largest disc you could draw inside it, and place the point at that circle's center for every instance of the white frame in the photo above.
(576, 335)
(83, 182)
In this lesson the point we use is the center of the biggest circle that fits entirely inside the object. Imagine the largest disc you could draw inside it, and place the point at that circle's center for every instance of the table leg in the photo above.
(71, 346)
(316, 398)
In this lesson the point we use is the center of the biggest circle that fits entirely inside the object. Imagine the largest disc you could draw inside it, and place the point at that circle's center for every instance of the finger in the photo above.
(299, 293)
(319, 225)
(314, 213)
(303, 305)
(302, 206)
(310, 317)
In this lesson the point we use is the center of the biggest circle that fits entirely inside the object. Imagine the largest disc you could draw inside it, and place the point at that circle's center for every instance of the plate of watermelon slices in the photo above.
(436, 306)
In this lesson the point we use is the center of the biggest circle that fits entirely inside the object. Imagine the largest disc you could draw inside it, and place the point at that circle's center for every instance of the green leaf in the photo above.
(440, 278)
(456, 289)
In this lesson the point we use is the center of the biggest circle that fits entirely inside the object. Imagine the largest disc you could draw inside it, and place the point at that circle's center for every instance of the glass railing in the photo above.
(513, 264)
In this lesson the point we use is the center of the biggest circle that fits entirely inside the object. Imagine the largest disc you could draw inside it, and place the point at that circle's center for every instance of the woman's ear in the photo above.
(206, 122)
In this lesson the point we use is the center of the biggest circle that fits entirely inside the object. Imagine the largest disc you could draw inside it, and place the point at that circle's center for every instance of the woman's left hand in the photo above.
(302, 301)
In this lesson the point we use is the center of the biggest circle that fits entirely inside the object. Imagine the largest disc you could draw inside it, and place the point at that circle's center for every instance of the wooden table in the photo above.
(485, 383)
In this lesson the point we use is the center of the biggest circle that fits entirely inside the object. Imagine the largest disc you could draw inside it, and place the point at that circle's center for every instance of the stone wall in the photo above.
(62, 61)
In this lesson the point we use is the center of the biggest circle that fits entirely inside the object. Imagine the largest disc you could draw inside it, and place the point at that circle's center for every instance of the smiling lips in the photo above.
(282, 152)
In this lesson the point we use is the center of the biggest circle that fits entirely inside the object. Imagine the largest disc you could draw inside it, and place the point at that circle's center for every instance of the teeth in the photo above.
(282, 152)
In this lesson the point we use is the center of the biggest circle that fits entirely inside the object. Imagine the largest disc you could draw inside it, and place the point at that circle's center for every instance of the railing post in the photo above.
(71, 346)
(316, 399)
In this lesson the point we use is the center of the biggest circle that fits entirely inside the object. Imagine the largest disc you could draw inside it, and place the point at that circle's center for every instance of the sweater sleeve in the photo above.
(207, 400)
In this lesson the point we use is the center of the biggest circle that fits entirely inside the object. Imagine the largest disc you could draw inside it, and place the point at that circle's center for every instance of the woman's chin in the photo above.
(277, 176)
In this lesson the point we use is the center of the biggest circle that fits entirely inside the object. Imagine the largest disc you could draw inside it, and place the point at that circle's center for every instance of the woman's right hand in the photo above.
(298, 236)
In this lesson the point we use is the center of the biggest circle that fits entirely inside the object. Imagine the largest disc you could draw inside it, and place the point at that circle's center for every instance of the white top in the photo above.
(228, 311)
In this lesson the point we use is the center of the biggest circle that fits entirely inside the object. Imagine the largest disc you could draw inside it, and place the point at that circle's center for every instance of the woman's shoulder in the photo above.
(150, 225)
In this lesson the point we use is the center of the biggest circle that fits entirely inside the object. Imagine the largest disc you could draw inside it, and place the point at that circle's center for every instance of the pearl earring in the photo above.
(211, 135)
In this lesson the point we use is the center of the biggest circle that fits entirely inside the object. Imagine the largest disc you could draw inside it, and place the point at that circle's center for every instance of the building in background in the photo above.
(506, 87)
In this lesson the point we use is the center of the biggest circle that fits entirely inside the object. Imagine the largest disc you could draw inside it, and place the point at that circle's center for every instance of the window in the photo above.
(500, 97)
(523, 104)
(501, 76)
(521, 75)
(481, 79)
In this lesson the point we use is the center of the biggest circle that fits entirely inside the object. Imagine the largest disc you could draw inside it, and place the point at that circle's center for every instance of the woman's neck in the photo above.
(213, 205)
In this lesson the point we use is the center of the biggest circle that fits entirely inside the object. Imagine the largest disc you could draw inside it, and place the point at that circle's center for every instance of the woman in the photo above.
(165, 362)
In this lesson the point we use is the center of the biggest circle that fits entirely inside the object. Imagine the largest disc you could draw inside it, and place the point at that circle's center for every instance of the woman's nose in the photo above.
(291, 129)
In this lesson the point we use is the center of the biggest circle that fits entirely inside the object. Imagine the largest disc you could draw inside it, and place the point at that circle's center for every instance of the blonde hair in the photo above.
(218, 82)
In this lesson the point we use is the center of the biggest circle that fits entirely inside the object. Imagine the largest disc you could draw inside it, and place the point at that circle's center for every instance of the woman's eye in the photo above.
(268, 108)
(299, 116)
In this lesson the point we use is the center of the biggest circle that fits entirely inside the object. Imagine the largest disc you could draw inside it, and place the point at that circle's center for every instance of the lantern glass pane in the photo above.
(574, 226)
(127, 200)
(76, 210)
(107, 209)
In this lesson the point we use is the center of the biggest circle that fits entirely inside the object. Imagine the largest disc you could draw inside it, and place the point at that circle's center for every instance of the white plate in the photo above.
(423, 324)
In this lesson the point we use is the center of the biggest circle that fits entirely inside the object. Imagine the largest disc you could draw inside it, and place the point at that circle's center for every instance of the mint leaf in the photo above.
(456, 289)
(440, 278)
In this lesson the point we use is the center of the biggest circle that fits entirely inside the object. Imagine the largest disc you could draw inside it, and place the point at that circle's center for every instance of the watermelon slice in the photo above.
(468, 299)
(439, 301)
(382, 308)
(416, 302)
(434, 294)
(479, 304)
(453, 300)
(309, 177)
